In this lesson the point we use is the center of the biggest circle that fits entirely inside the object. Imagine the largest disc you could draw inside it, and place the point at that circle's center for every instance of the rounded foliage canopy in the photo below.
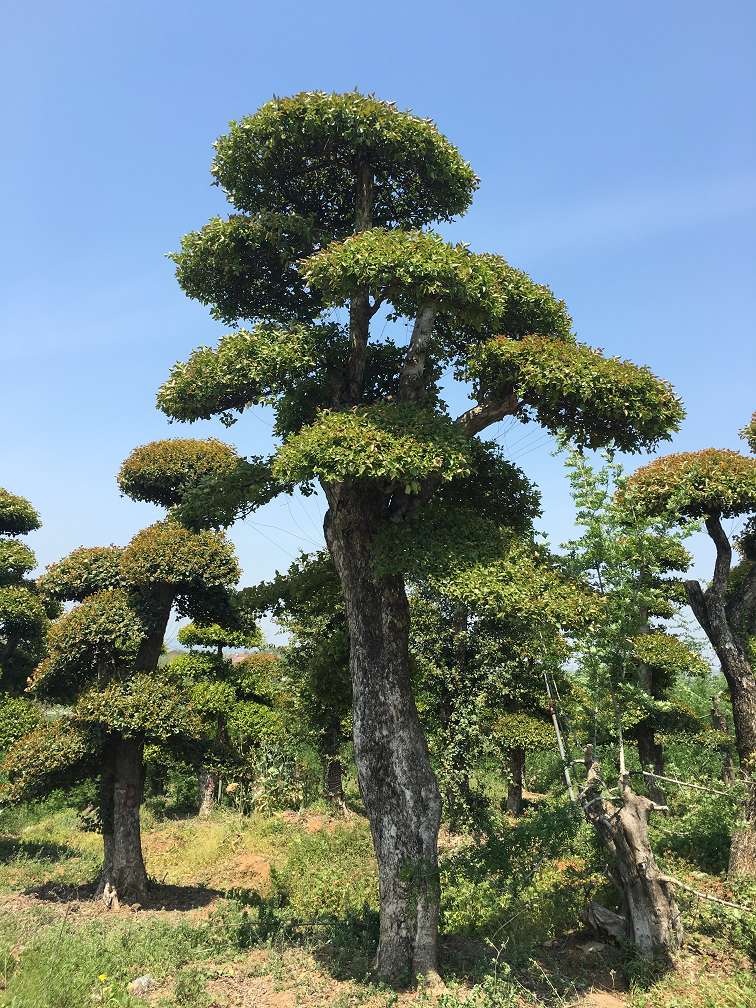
(83, 572)
(17, 516)
(715, 481)
(162, 472)
(298, 155)
(171, 555)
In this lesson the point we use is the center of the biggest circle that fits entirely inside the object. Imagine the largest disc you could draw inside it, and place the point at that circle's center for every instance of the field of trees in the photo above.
(475, 767)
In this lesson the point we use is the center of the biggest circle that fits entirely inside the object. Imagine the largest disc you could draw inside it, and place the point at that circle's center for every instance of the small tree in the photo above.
(635, 652)
(331, 196)
(308, 604)
(714, 484)
(213, 685)
(103, 656)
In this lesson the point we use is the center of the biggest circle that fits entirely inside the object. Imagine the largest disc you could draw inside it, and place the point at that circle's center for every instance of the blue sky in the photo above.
(615, 143)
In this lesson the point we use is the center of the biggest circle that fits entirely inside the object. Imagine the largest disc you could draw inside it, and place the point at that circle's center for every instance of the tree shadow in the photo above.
(35, 850)
(177, 898)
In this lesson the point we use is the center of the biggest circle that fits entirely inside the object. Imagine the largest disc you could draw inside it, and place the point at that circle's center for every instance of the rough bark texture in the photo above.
(207, 783)
(516, 760)
(652, 919)
(725, 619)
(396, 781)
(124, 877)
(105, 890)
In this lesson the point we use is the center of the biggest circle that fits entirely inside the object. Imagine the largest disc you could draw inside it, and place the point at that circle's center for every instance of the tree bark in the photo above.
(652, 918)
(651, 755)
(516, 759)
(396, 780)
(207, 786)
(124, 877)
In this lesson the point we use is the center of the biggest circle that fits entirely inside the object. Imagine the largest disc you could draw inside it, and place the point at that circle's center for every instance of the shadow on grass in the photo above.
(160, 897)
(12, 849)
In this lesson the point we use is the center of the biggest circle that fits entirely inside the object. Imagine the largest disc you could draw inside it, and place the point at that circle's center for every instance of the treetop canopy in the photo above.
(300, 155)
(17, 516)
(712, 482)
(83, 572)
(749, 433)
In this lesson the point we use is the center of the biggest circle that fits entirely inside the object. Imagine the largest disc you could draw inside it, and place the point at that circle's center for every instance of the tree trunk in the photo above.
(104, 890)
(516, 759)
(396, 781)
(652, 919)
(333, 771)
(208, 786)
(651, 755)
(124, 878)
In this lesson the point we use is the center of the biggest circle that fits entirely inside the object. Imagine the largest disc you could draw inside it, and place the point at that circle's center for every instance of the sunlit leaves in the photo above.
(17, 516)
(568, 387)
(83, 572)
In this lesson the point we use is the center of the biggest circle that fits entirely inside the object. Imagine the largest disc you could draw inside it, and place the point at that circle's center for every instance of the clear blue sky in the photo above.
(616, 145)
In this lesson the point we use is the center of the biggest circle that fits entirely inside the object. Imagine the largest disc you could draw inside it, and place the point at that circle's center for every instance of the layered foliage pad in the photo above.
(84, 572)
(54, 755)
(298, 156)
(571, 388)
(23, 614)
(749, 433)
(214, 635)
(715, 481)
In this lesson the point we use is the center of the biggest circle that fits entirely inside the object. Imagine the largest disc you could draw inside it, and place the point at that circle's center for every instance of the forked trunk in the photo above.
(516, 759)
(124, 878)
(396, 780)
(208, 786)
(651, 919)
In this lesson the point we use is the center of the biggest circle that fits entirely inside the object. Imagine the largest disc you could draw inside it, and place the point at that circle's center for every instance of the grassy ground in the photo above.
(280, 911)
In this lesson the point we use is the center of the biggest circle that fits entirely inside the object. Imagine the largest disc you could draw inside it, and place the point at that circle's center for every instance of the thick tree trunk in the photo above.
(396, 780)
(124, 878)
(208, 786)
(652, 919)
(104, 890)
(333, 771)
(515, 780)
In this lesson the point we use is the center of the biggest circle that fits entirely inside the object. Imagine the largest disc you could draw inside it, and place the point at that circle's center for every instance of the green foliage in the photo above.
(17, 516)
(148, 706)
(296, 156)
(710, 482)
(245, 267)
(163, 472)
(749, 433)
(399, 443)
(169, 554)
(569, 387)
(95, 640)
(18, 715)
(215, 636)
(53, 755)
(83, 572)
(16, 559)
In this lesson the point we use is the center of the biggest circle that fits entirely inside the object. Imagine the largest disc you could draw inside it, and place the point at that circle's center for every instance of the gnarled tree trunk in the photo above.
(396, 780)
(652, 918)
(516, 760)
(124, 877)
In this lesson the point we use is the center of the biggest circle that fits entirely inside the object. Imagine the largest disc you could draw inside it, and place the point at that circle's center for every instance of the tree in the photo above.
(23, 614)
(103, 655)
(332, 196)
(635, 652)
(714, 484)
(213, 681)
(308, 603)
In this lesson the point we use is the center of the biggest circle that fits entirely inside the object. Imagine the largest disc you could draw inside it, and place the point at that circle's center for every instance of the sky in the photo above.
(616, 145)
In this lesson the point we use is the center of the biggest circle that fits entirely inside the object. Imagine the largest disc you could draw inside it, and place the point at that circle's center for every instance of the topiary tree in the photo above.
(23, 614)
(332, 194)
(103, 661)
(308, 603)
(213, 681)
(714, 484)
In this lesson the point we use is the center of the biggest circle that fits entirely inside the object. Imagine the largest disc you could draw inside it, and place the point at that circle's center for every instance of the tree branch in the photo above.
(413, 369)
(724, 553)
(484, 414)
(697, 602)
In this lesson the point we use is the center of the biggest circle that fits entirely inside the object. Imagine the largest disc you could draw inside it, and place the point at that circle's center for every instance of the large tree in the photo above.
(332, 195)
(103, 654)
(716, 484)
